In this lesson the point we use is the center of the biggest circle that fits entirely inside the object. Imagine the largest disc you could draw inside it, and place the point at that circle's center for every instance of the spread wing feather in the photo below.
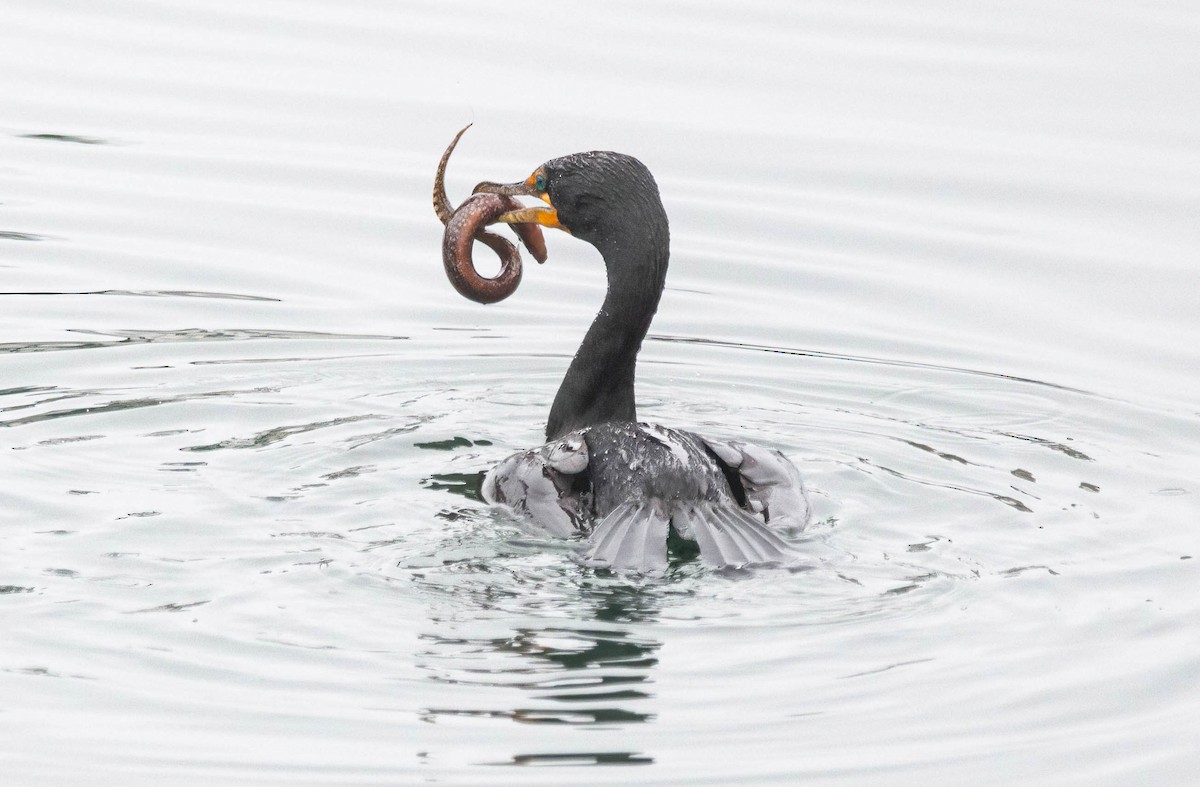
(729, 536)
(772, 483)
(632, 538)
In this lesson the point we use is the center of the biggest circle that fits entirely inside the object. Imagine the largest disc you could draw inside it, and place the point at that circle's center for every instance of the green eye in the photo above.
(539, 183)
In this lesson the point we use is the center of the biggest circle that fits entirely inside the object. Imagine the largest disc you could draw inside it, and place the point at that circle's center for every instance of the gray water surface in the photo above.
(942, 255)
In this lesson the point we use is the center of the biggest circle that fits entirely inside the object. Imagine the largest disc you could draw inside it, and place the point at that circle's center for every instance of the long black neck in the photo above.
(598, 386)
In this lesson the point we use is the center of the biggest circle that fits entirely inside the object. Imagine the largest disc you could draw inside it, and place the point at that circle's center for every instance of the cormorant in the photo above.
(624, 484)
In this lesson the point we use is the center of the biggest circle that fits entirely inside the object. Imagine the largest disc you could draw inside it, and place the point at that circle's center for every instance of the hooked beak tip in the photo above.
(507, 189)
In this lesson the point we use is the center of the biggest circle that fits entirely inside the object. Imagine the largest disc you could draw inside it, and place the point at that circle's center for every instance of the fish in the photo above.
(465, 224)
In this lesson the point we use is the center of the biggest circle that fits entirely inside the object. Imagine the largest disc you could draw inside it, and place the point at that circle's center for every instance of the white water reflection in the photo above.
(941, 255)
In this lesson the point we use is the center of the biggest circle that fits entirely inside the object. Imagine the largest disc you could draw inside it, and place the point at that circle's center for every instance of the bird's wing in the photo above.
(771, 482)
(631, 539)
(729, 536)
(538, 486)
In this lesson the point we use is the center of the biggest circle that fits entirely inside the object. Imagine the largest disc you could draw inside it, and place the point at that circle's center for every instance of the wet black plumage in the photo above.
(626, 484)
(611, 201)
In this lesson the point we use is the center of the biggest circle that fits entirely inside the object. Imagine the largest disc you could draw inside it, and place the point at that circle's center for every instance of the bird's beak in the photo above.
(547, 216)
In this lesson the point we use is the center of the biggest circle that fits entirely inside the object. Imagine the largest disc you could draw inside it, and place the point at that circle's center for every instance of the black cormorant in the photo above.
(626, 485)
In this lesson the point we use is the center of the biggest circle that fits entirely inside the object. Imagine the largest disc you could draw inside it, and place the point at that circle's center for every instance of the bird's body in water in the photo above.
(623, 484)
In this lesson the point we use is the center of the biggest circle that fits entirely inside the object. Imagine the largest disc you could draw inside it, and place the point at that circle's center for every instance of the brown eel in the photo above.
(465, 224)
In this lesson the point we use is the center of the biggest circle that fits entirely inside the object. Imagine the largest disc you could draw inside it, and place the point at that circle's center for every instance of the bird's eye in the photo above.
(539, 182)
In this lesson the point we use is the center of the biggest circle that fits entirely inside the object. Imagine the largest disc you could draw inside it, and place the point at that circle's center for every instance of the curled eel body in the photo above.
(462, 230)
(466, 224)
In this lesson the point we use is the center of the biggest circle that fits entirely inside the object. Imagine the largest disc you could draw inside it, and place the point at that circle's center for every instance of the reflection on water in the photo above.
(11, 235)
(466, 485)
(580, 758)
(128, 338)
(228, 296)
(243, 417)
(573, 676)
(590, 665)
(811, 353)
(593, 669)
(65, 138)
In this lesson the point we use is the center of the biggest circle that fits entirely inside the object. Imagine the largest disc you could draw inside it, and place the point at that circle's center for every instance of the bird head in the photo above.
(598, 197)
